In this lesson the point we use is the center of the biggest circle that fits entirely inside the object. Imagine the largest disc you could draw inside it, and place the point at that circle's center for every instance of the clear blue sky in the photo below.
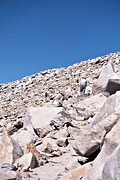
(37, 35)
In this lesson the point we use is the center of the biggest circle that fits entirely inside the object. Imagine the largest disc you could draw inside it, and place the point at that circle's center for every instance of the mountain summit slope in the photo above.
(32, 90)
(59, 131)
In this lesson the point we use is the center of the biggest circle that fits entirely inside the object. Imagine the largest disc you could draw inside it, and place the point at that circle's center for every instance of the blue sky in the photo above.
(37, 35)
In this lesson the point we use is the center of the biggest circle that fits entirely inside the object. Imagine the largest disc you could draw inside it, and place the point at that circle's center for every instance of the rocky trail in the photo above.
(49, 132)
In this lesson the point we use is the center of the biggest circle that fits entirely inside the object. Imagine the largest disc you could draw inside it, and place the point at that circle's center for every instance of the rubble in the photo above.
(53, 133)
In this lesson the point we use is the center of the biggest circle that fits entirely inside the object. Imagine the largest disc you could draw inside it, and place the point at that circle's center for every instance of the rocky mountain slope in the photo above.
(49, 132)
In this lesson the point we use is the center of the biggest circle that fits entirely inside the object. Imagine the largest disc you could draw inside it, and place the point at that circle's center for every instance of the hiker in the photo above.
(83, 84)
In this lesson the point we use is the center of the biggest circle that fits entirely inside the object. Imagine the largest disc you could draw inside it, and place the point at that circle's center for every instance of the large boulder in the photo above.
(89, 140)
(113, 83)
(41, 116)
(93, 103)
(112, 140)
(9, 149)
(111, 169)
(111, 106)
(101, 83)
(26, 134)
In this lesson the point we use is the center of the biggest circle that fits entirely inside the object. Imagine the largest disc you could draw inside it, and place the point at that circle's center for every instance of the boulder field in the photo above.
(49, 132)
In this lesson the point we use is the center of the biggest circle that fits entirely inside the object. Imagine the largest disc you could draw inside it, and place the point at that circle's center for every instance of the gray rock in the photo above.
(111, 141)
(89, 141)
(103, 78)
(78, 173)
(111, 106)
(10, 149)
(111, 169)
(9, 175)
(93, 103)
(24, 136)
(41, 116)
(26, 161)
(113, 83)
